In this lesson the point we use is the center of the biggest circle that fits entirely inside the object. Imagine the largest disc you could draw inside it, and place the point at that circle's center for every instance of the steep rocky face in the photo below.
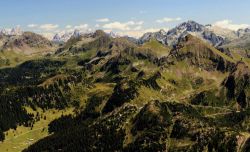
(57, 38)
(183, 29)
(11, 32)
(16, 31)
(159, 36)
(3, 32)
(242, 42)
(237, 86)
(213, 38)
(63, 37)
(190, 27)
(227, 34)
(242, 32)
(196, 29)
(239, 39)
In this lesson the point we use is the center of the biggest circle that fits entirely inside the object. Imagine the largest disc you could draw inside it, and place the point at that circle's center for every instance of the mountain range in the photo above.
(186, 89)
(214, 35)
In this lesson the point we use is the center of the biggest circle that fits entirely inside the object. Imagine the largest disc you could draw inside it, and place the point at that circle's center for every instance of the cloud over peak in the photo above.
(81, 26)
(228, 24)
(130, 25)
(32, 25)
(49, 27)
(103, 20)
(68, 26)
(168, 20)
(138, 33)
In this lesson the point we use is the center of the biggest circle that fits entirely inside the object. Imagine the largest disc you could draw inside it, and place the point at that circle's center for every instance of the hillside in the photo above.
(199, 53)
(15, 49)
(101, 93)
(26, 43)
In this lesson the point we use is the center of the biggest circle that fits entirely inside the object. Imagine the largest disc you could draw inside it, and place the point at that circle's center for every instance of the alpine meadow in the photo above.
(124, 76)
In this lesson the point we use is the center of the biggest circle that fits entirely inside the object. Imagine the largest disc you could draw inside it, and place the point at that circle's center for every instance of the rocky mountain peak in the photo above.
(174, 35)
(16, 31)
(159, 36)
(56, 38)
(114, 34)
(76, 33)
(99, 33)
(65, 36)
(191, 26)
(242, 32)
(3, 32)
(162, 32)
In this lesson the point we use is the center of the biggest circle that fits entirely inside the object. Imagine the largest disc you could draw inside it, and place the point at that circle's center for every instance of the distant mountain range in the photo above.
(215, 36)
(211, 34)
(64, 37)
(25, 42)
(186, 89)
(13, 32)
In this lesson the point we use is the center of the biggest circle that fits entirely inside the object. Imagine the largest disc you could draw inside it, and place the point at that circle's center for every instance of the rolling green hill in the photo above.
(98, 93)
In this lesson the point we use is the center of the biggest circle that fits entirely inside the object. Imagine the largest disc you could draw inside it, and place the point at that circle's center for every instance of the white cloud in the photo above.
(155, 29)
(49, 27)
(97, 25)
(139, 33)
(138, 28)
(68, 26)
(116, 25)
(81, 26)
(130, 28)
(228, 24)
(32, 25)
(168, 20)
(134, 23)
(103, 20)
(123, 26)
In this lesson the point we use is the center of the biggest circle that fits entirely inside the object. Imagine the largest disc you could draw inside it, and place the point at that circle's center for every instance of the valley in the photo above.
(187, 89)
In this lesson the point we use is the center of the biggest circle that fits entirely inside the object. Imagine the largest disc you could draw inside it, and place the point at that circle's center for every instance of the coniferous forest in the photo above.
(184, 89)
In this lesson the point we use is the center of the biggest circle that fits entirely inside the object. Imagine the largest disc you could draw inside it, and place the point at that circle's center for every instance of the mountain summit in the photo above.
(169, 91)
(159, 36)
(12, 32)
(190, 27)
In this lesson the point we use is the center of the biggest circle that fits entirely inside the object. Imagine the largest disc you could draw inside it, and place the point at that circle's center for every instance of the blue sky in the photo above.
(125, 16)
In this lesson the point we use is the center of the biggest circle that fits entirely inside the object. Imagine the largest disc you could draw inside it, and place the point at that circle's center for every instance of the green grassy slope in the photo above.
(127, 97)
